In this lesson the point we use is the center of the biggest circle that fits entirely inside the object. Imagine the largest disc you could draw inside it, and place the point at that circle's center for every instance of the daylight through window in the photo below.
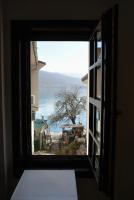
(59, 91)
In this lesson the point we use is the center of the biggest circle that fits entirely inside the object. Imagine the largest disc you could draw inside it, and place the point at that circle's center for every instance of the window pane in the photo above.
(99, 45)
(91, 89)
(93, 153)
(98, 83)
(91, 117)
(97, 158)
(59, 97)
(98, 125)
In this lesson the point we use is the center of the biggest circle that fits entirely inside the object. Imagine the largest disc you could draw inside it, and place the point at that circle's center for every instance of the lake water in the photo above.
(47, 107)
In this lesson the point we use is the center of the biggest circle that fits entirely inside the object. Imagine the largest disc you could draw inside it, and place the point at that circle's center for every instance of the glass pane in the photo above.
(91, 117)
(97, 158)
(99, 45)
(93, 153)
(98, 125)
(98, 82)
(91, 89)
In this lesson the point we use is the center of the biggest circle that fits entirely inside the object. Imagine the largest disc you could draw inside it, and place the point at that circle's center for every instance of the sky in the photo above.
(70, 58)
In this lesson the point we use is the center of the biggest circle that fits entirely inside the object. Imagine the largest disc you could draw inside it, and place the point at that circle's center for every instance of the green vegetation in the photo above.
(70, 149)
(36, 145)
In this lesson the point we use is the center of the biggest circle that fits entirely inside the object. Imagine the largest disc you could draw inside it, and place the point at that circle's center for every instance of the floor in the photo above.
(87, 190)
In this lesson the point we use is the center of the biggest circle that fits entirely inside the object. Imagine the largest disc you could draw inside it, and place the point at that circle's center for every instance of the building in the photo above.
(42, 137)
(85, 79)
(70, 131)
(36, 65)
(73, 10)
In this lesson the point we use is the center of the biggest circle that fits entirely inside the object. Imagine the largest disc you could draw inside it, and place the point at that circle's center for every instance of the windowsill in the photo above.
(46, 184)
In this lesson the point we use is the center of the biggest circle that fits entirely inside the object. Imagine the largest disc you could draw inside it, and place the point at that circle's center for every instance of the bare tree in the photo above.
(68, 106)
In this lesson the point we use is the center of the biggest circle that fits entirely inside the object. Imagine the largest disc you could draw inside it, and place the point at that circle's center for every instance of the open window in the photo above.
(102, 77)
(101, 80)
(59, 97)
(26, 35)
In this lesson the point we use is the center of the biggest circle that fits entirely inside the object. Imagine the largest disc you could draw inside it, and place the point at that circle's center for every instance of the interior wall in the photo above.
(2, 137)
(59, 9)
(124, 174)
(83, 9)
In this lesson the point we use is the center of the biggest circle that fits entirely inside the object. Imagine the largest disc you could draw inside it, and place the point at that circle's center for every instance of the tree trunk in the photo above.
(73, 120)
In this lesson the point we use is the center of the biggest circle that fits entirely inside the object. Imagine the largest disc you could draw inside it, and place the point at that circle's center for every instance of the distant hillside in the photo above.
(51, 83)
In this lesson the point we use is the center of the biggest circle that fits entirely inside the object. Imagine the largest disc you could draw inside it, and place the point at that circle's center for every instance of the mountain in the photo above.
(51, 83)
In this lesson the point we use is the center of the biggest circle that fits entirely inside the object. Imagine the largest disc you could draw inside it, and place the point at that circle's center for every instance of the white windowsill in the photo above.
(46, 184)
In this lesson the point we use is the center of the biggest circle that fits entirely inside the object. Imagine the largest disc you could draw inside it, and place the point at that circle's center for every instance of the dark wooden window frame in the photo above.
(107, 103)
(94, 102)
(22, 33)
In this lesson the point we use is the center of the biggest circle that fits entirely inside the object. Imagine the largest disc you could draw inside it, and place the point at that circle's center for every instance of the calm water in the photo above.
(46, 108)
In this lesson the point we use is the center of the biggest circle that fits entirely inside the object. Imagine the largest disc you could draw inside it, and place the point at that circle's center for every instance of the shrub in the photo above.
(36, 145)
(69, 150)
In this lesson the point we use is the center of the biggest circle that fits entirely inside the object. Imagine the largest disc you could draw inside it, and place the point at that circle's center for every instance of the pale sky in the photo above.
(70, 58)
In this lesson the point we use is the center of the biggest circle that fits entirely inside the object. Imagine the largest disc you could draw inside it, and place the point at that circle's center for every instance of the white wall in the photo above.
(85, 9)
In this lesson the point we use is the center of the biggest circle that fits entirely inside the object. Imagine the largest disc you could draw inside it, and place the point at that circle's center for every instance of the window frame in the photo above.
(108, 27)
(22, 33)
(96, 103)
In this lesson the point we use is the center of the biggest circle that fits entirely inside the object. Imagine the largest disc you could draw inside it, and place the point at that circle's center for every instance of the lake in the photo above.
(49, 85)
(47, 108)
